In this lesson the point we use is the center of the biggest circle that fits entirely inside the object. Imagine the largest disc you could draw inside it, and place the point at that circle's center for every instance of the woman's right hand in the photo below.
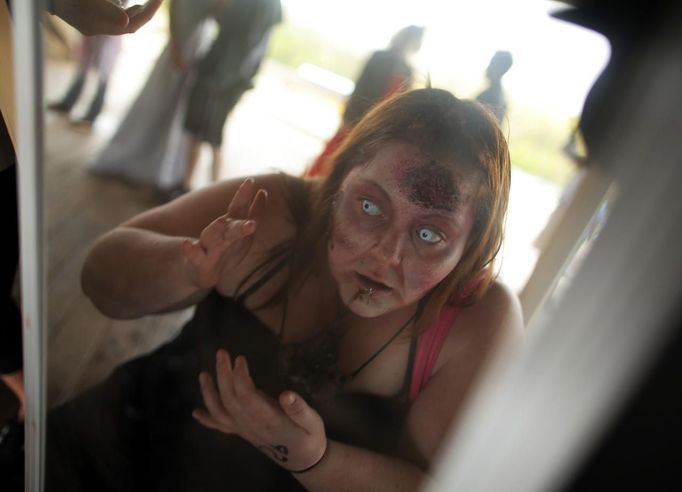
(226, 241)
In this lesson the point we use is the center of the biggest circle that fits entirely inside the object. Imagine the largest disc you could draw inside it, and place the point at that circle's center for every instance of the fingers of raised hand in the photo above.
(219, 236)
(258, 204)
(224, 231)
(218, 247)
(239, 206)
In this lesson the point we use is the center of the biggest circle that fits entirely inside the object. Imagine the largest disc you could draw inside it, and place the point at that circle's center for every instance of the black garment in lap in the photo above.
(135, 430)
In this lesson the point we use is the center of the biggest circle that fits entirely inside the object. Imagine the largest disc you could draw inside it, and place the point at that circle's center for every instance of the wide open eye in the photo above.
(429, 235)
(370, 208)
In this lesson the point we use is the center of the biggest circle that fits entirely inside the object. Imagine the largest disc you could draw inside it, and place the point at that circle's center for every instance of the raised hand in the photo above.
(92, 17)
(288, 431)
(226, 241)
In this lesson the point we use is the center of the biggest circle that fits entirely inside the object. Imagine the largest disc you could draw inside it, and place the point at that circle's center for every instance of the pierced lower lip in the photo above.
(367, 282)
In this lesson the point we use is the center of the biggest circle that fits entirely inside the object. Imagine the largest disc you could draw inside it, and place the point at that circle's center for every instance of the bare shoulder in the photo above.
(480, 329)
(477, 333)
(497, 313)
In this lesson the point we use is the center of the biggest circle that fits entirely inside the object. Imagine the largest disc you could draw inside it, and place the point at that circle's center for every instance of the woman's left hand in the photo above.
(289, 432)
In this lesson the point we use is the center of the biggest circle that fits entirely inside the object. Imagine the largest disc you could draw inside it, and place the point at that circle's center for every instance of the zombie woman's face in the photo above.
(401, 224)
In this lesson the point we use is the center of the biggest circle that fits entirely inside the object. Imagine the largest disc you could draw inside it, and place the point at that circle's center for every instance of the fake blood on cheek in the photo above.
(347, 241)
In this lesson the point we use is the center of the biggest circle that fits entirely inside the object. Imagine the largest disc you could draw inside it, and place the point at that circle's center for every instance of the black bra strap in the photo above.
(274, 270)
(407, 381)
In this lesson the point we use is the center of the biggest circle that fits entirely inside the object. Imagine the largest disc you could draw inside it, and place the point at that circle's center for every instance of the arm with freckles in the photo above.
(171, 256)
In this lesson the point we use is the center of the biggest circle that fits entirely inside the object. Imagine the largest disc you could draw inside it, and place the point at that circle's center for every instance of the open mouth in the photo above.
(369, 284)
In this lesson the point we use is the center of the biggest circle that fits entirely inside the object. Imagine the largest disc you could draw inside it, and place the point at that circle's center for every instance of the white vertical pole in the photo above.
(28, 89)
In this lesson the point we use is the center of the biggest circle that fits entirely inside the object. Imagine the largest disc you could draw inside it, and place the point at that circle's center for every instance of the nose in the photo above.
(389, 247)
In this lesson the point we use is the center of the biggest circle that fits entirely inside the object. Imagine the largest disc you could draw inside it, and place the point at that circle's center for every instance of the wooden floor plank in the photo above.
(83, 345)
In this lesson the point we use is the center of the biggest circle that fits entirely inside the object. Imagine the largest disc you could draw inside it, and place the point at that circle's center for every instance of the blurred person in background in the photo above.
(224, 74)
(100, 53)
(150, 145)
(493, 96)
(385, 73)
(196, 81)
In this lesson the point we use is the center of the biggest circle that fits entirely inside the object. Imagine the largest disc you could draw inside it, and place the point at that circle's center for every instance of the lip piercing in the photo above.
(364, 294)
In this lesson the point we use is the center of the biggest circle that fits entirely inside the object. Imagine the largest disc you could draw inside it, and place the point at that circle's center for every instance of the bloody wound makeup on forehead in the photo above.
(431, 185)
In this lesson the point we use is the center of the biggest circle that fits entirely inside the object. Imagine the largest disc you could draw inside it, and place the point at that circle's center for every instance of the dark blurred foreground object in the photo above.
(630, 28)
(642, 448)
(12, 456)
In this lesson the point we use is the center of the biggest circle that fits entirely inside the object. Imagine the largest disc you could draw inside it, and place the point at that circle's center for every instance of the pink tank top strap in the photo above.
(428, 347)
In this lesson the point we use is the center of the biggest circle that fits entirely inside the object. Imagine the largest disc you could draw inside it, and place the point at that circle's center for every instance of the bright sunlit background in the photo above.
(555, 63)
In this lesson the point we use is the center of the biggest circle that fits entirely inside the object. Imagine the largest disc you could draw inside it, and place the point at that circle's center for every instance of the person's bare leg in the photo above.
(192, 159)
(216, 170)
(15, 382)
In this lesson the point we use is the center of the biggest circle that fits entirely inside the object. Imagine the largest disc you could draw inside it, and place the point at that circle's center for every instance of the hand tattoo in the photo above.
(277, 452)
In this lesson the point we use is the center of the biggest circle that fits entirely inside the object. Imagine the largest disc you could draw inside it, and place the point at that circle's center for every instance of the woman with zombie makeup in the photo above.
(340, 325)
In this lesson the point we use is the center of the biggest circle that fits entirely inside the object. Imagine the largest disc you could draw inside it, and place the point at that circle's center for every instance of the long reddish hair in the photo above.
(449, 130)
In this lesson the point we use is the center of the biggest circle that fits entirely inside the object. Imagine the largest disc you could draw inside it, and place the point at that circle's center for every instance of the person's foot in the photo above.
(82, 124)
(59, 107)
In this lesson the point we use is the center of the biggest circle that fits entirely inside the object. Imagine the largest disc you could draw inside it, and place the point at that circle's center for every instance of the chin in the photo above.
(366, 310)
(374, 307)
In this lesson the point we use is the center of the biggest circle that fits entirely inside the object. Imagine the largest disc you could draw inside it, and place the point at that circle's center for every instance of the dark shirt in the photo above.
(135, 431)
(493, 97)
(238, 50)
(385, 71)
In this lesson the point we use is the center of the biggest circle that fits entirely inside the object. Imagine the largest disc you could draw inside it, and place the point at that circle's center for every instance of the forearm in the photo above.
(348, 468)
(133, 272)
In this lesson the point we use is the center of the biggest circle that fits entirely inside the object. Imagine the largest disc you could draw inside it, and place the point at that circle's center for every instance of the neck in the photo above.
(387, 322)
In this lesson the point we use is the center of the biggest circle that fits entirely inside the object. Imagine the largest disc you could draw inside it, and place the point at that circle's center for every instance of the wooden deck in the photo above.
(83, 345)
